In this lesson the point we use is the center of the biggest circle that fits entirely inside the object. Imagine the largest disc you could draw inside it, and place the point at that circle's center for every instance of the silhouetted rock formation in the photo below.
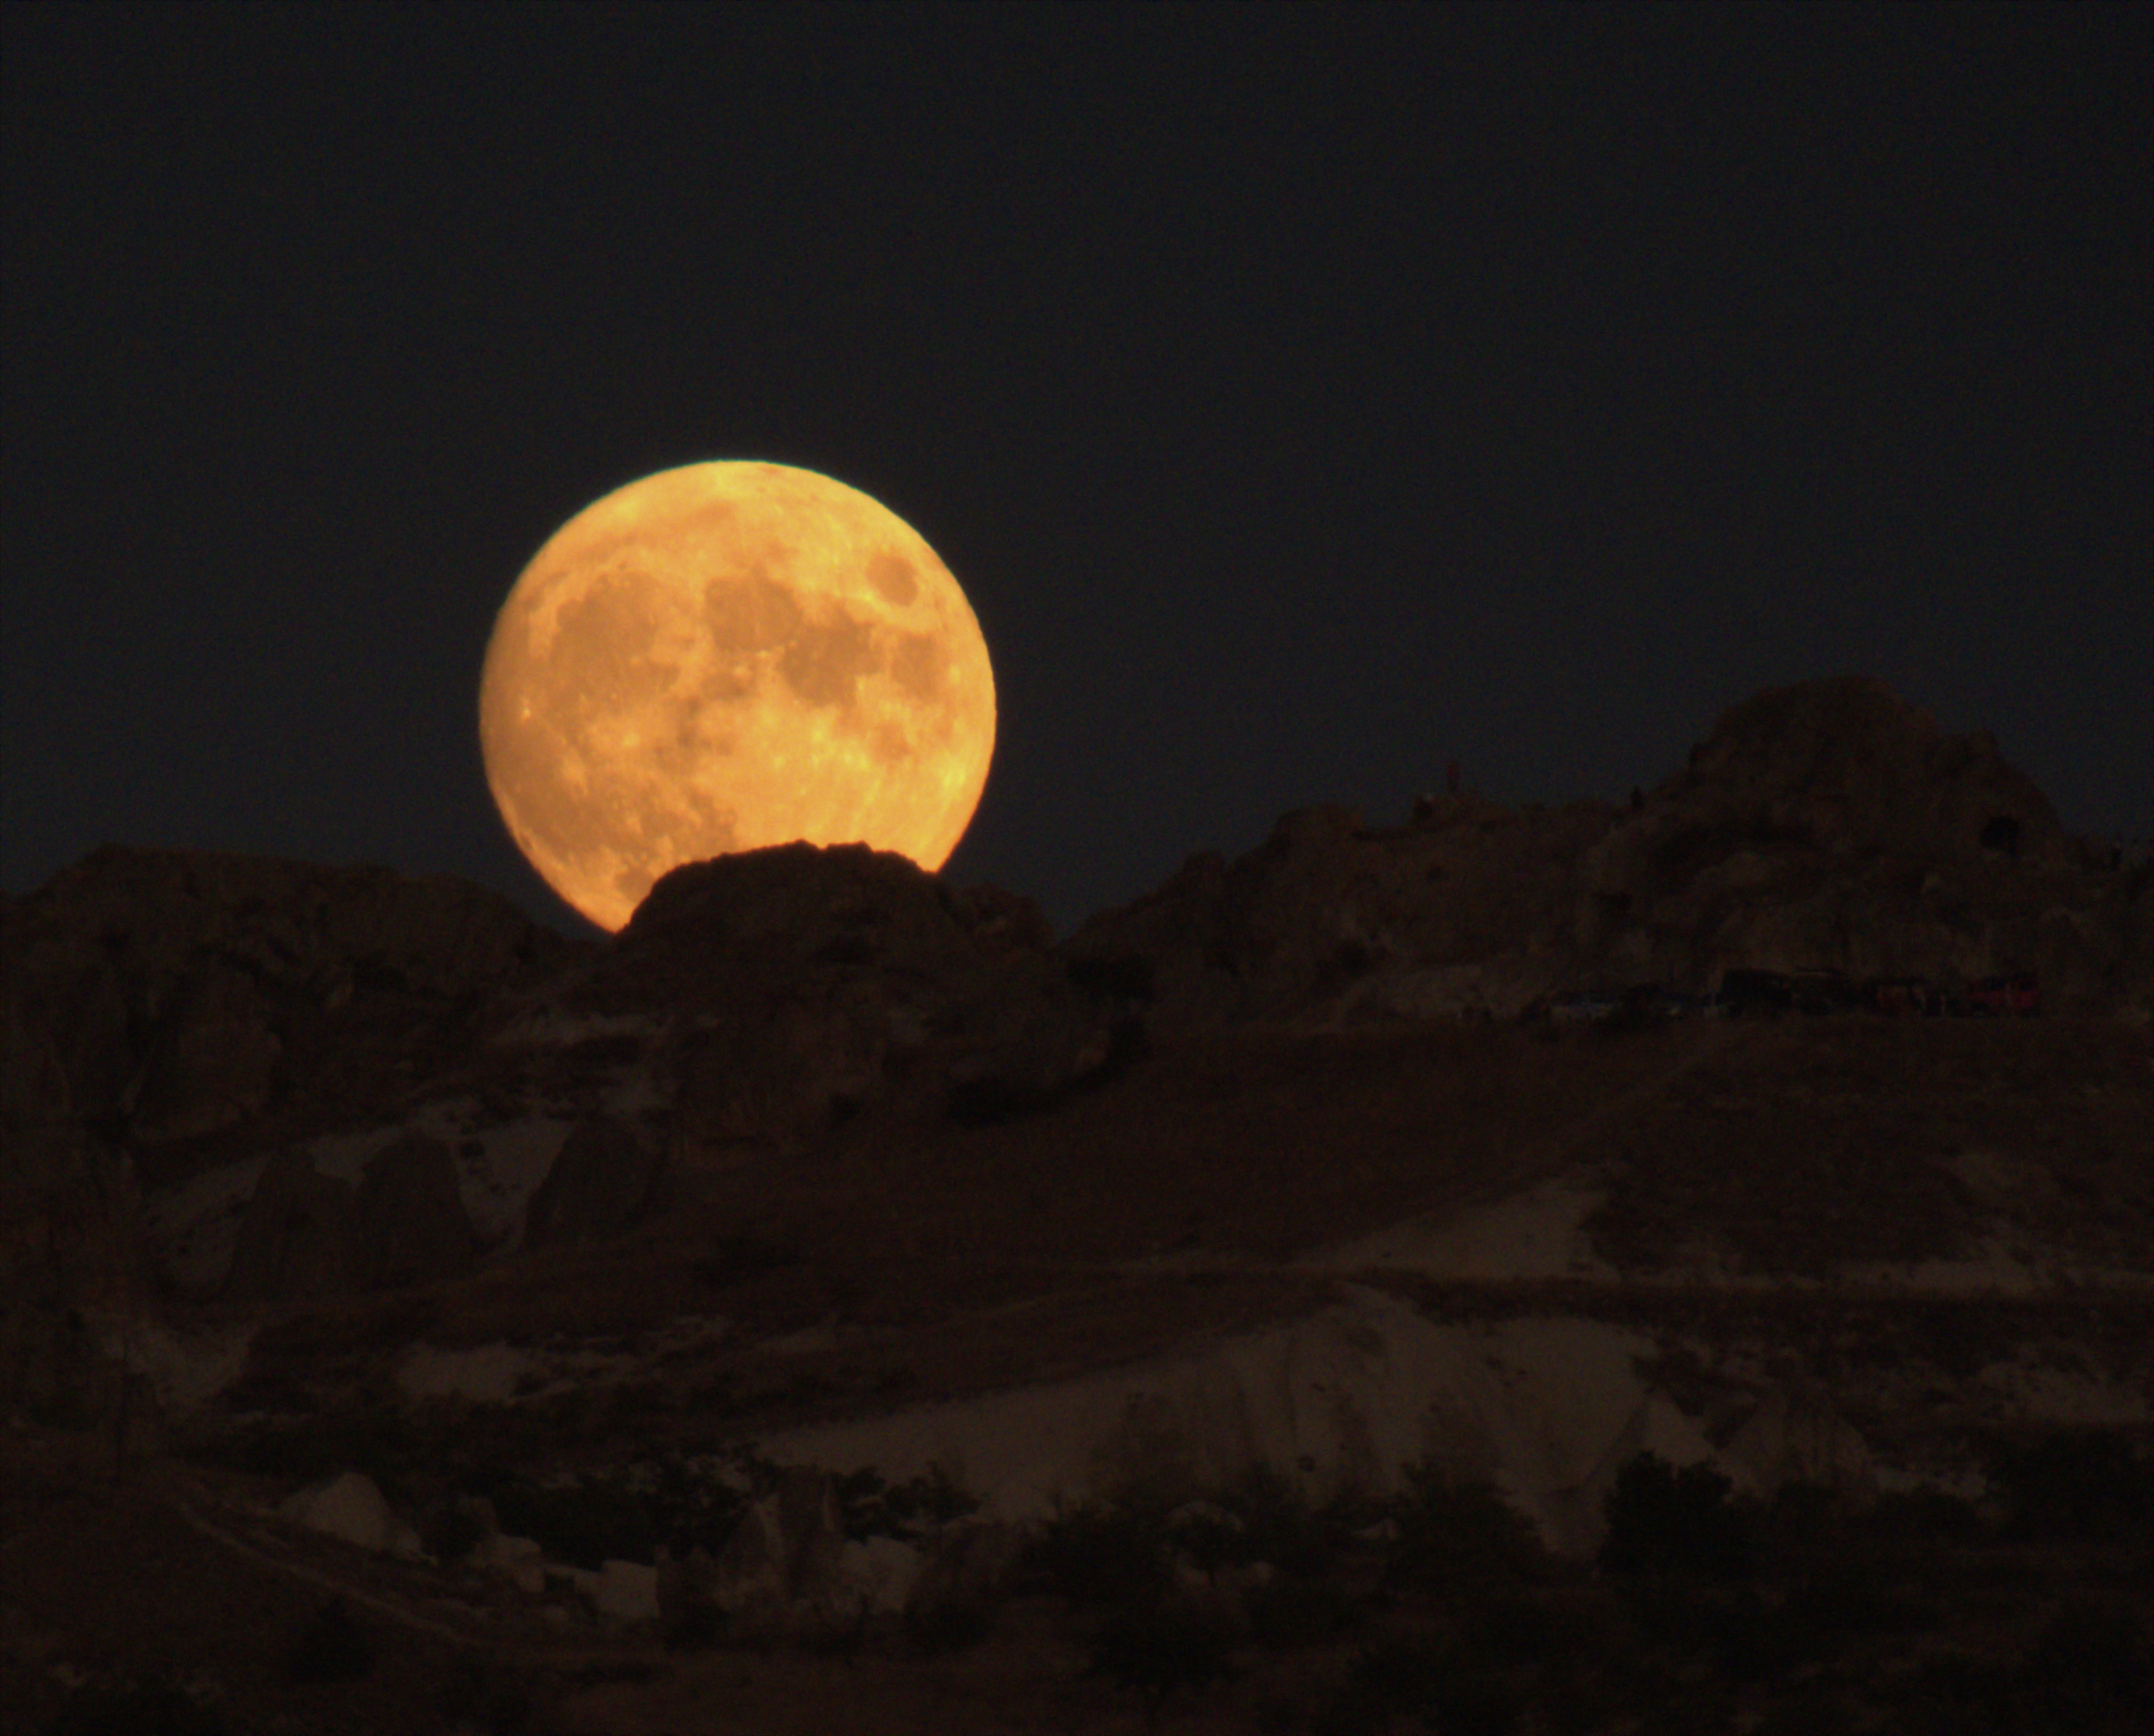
(793, 984)
(409, 1225)
(1829, 826)
(602, 1181)
(295, 1242)
(171, 1016)
(178, 993)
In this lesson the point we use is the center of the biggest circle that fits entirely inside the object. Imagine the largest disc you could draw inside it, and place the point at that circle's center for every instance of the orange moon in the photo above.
(724, 656)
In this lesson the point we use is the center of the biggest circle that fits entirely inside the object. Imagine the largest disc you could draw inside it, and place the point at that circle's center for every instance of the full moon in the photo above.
(724, 656)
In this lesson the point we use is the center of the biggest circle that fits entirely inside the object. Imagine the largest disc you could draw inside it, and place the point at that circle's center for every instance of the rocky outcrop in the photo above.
(351, 1508)
(783, 1561)
(1547, 1407)
(1847, 767)
(178, 993)
(306, 1236)
(793, 987)
(1301, 926)
(1829, 826)
(1062, 1040)
(1833, 825)
(297, 1240)
(68, 1220)
(186, 1016)
(211, 1060)
(788, 1566)
(602, 1181)
(408, 1221)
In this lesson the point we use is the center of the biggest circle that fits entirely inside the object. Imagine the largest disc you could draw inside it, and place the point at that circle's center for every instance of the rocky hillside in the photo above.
(1830, 826)
(825, 1168)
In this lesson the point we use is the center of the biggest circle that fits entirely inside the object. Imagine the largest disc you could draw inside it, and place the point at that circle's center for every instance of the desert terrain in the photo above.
(1369, 1285)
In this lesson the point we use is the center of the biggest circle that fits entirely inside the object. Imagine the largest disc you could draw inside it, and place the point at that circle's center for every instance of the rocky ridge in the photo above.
(824, 1157)
(1830, 826)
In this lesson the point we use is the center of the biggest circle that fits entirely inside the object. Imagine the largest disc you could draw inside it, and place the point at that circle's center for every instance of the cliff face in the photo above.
(167, 994)
(163, 1010)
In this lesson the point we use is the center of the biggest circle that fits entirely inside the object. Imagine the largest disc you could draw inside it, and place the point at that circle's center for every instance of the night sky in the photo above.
(1305, 398)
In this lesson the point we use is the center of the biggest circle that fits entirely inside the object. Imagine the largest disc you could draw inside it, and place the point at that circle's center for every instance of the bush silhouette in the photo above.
(1430, 1680)
(1460, 1535)
(1663, 1523)
(2082, 1484)
(148, 1708)
(585, 1524)
(1156, 1648)
(1093, 1553)
(1291, 1613)
(870, 1506)
(332, 1647)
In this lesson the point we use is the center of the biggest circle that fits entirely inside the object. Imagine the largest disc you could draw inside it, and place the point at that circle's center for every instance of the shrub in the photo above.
(1855, 1600)
(1522, 1629)
(1156, 1648)
(151, 1707)
(381, 1441)
(585, 1524)
(1291, 1613)
(1094, 1553)
(1925, 1515)
(731, 1260)
(695, 1505)
(485, 1698)
(944, 1625)
(1278, 1524)
(1432, 1680)
(2092, 1664)
(868, 1507)
(452, 1532)
(1663, 1523)
(1460, 1535)
(2080, 1483)
(332, 1647)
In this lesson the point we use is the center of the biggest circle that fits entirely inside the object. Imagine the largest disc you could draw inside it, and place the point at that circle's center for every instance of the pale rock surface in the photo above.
(1797, 1437)
(967, 1561)
(1540, 1233)
(351, 1508)
(1547, 1407)
(815, 1540)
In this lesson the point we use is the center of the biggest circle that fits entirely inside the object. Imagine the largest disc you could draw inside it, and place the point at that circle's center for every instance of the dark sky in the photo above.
(1305, 398)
